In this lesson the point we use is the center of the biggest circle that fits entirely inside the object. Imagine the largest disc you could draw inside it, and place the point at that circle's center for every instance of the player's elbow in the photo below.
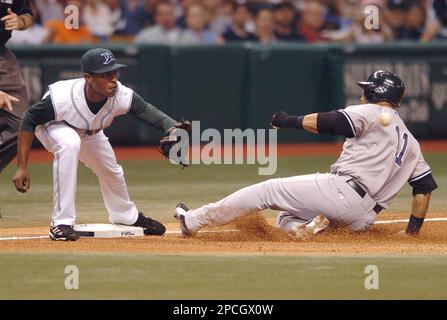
(422, 197)
(424, 186)
(334, 123)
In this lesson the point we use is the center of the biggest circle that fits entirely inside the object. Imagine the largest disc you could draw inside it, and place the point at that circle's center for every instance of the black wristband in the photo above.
(289, 122)
(414, 225)
(282, 120)
(299, 122)
(295, 122)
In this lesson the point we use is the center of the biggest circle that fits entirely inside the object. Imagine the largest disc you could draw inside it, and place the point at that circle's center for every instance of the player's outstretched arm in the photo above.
(419, 208)
(21, 178)
(150, 114)
(333, 122)
(283, 120)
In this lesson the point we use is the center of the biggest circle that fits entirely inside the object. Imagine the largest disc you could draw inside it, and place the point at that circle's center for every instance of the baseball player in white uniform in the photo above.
(69, 122)
(376, 162)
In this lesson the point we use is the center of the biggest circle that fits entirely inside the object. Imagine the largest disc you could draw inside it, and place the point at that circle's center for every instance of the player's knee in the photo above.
(287, 222)
(280, 220)
(359, 226)
(271, 182)
(115, 171)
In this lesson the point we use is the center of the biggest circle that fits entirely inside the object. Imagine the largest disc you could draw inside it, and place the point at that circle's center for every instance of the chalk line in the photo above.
(25, 238)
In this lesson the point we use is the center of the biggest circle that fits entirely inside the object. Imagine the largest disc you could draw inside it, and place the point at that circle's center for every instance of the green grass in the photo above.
(42, 276)
(157, 186)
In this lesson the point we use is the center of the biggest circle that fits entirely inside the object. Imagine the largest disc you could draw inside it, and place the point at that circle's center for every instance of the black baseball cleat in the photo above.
(63, 232)
(150, 226)
(180, 212)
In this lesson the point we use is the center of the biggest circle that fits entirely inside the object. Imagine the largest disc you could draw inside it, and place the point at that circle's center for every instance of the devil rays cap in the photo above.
(99, 60)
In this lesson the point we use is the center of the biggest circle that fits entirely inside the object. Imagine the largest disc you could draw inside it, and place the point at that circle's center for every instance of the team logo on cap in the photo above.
(108, 57)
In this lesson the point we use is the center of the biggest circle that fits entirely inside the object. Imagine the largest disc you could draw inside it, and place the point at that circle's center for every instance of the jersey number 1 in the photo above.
(401, 147)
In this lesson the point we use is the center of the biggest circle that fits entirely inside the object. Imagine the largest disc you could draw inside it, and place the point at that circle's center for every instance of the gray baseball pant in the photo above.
(299, 198)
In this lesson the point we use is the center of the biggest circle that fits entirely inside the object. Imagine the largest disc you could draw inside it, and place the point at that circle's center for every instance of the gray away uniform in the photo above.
(373, 167)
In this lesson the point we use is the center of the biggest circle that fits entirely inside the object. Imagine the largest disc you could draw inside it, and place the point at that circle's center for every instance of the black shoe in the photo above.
(63, 232)
(151, 227)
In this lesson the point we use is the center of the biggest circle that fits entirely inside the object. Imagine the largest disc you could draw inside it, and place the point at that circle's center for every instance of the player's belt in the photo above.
(362, 193)
(84, 132)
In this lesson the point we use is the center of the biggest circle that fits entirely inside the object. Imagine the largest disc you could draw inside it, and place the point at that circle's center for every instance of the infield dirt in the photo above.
(253, 235)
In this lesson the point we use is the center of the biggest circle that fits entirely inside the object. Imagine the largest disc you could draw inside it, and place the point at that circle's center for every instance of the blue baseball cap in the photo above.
(99, 60)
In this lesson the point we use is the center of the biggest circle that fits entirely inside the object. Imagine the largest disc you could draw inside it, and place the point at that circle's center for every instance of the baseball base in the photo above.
(104, 230)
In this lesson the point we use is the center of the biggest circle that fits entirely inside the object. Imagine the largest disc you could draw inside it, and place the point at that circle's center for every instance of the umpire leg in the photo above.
(10, 83)
(9, 127)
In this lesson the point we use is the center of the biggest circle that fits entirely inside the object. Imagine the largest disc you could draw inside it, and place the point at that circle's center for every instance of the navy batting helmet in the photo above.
(383, 86)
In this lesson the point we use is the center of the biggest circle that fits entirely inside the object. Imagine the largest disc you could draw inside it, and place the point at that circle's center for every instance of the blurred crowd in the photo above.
(227, 21)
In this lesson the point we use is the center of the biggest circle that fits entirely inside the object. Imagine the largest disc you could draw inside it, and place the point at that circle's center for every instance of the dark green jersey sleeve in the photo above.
(150, 114)
(39, 113)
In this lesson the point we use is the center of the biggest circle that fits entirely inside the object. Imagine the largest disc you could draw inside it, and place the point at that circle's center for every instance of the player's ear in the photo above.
(87, 77)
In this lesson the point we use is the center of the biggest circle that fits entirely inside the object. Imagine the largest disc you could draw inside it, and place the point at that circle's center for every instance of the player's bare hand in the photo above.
(12, 21)
(403, 235)
(6, 101)
(22, 180)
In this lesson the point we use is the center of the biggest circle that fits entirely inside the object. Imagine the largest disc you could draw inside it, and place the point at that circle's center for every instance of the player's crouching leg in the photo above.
(363, 222)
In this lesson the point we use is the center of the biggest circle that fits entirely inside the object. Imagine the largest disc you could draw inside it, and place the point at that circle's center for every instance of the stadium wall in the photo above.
(240, 86)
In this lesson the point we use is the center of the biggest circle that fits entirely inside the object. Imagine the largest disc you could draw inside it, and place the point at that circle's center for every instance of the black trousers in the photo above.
(11, 83)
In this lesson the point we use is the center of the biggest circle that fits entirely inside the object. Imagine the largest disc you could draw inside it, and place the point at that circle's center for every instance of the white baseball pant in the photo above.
(95, 151)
